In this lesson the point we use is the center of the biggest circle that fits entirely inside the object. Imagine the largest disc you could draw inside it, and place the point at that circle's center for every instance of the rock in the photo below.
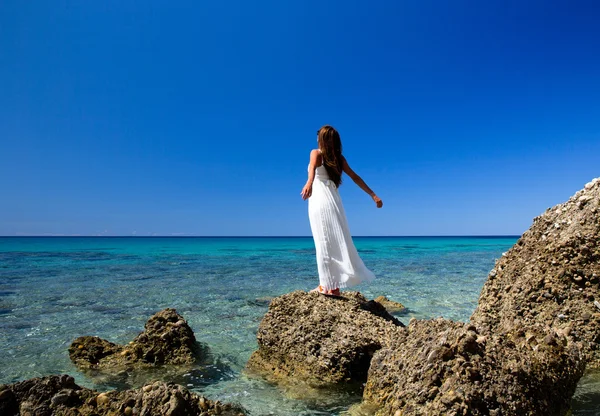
(89, 351)
(524, 350)
(102, 399)
(262, 301)
(9, 404)
(321, 340)
(440, 367)
(166, 339)
(556, 269)
(390, 305)
(60, 398)
(43, 396)
(36, 396)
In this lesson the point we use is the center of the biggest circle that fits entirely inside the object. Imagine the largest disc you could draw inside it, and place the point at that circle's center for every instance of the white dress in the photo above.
(337, 259)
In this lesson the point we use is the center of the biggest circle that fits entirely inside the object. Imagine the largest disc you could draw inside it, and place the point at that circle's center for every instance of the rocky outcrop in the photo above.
(166, 339)
(527, 343)
(551, 276)
(442, 367)
(536, 327)
(321, 340)
(390, 305)
(59, 395)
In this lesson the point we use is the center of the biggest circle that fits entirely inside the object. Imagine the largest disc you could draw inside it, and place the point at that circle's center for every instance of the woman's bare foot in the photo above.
(321, 289)
(317, 289)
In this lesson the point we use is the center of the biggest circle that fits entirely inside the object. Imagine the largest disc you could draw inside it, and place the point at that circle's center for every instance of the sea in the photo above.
(55, 289)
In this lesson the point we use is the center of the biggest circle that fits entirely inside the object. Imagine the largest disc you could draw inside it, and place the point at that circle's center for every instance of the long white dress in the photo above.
(337, 259)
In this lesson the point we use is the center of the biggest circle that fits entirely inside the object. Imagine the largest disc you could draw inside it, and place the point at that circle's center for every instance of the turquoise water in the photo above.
(53, 290)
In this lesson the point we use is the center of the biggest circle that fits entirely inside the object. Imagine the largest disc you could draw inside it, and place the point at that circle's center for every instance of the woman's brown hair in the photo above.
(331, 151)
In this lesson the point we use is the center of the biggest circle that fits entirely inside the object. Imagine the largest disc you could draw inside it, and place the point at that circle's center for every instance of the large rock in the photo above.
(442, 367)
(166, 339)
(551, 276)
(321, 340)
(527, 343)
(59, 395)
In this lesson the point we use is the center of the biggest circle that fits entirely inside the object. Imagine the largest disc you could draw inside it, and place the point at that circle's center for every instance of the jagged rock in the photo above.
(527, 343)
(551, 276)
(390, 305)
(440, 367)
(321, 340)
(166, 339)
(59, 395)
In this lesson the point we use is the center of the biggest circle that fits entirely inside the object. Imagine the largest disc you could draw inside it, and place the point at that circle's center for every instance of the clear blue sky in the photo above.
(193, 117)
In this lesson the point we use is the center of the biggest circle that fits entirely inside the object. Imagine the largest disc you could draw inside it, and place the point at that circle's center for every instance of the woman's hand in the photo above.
(306, 191)
(378, 201)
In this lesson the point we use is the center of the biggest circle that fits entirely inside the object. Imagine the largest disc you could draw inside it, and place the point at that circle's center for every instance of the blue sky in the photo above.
(197, 118)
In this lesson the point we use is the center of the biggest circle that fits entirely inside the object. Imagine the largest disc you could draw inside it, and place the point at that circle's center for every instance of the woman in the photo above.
(337, 259)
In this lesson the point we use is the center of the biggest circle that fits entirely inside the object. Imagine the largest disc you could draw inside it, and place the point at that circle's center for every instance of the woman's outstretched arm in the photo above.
(361, 184)
(312, 166)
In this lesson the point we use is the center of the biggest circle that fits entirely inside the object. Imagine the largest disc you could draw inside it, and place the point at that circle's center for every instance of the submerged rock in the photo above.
(390, 305)
(321, 340)
(59, 395)
(262, 301)
(440, 367)
(166, 339)
(551, 276)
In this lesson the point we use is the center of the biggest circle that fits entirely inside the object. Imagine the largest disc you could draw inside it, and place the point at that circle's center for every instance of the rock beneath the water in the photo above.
(440, 367)
(551, 276)
(59, 395)
(262, 301)
(166, 339)
(321, 340)
(390, 305)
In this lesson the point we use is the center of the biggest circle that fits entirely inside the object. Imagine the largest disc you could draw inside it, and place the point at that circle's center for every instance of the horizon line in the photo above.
(253, 236)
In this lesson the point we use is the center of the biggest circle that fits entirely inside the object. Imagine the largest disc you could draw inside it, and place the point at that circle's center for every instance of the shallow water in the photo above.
(53, 290)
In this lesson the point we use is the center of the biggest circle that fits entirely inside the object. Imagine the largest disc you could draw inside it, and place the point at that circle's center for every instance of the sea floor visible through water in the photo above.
(55, 289)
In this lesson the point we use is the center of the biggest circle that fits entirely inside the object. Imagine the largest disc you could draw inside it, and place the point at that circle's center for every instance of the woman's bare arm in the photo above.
(312, 166)
(361, 184)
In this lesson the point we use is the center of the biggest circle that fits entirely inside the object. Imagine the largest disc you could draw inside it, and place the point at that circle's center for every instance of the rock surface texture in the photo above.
(440, 367)
(528, 342)
(551, 276)
(166, 339)
(321, 340)
(59, 395)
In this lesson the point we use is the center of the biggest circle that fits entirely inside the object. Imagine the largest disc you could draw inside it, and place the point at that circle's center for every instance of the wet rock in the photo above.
(390, 305)
(36, 396)
(556, 264)
(440, 367)
(321, 340)
(166, 339)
